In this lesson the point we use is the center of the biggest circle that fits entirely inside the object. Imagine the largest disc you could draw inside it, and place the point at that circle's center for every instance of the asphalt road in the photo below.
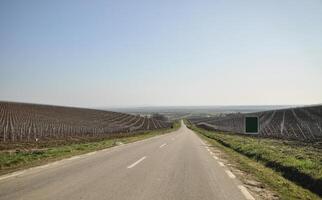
(175, 166)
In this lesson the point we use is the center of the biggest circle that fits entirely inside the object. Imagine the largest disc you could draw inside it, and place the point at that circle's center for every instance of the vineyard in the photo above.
(20, 122)
(302, 123)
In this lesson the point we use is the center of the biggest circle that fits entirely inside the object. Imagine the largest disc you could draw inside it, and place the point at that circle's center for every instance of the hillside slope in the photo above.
(20, 122)
(302, 123)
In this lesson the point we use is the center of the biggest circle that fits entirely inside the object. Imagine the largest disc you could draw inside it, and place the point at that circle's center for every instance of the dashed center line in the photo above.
(163, 145)
(230, 174)
(245, 192)
(137, 162)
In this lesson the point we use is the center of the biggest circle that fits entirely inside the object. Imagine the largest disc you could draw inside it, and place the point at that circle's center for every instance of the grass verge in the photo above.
(13, 161)
(281, 165)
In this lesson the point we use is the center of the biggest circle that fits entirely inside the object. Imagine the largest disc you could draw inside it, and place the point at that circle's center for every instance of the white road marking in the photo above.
(137, 162)
(163, 145)
(245, 192)
(57, 162)
(74, 158)
(221, 164)
(43, 166)
(15, 174)
(12, 175)
(91, 153)
(230, 174)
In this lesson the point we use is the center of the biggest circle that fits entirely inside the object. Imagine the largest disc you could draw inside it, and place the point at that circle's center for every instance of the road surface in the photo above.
(175, 166)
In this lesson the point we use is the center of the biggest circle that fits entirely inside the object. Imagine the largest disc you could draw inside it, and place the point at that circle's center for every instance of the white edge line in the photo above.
(89, 154)
(137, 162)
(245, 192)
(72, 158)
(43, 166)
(12, 175)
(230, 174)
(163, 145)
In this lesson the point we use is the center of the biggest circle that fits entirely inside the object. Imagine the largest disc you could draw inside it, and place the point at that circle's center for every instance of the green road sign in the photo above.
(251, 124)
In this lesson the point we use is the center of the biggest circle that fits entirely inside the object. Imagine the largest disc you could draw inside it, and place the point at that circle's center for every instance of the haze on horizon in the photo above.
(164, 53)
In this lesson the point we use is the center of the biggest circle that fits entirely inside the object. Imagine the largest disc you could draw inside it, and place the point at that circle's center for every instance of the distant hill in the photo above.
(176, 112)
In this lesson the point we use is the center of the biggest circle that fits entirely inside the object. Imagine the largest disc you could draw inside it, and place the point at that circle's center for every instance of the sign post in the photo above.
(251, 125)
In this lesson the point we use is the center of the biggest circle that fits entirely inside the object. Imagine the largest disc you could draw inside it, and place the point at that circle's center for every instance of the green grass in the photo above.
(13, 161)
(292, 169)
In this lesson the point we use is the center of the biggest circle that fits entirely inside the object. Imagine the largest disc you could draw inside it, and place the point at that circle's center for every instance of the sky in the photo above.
(129, 53)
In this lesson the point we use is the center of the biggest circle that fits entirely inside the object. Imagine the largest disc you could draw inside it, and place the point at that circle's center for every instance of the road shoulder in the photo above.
(262, 181)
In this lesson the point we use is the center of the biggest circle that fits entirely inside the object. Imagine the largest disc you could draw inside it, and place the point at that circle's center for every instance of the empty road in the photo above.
(175, 166)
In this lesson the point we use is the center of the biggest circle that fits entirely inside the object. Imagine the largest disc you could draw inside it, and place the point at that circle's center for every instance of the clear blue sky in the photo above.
(135, 53)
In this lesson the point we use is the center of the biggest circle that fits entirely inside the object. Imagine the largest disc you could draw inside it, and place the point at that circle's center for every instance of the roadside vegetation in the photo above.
(14, 160)
(293, 169)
